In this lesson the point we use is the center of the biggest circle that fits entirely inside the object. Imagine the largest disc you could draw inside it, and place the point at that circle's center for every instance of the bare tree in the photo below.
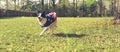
(116, 20)
(118, 9)
(100, 4)
(18, 3)
(75, 7)
(83, 7)
(14, 4)
(7, 4)
(42, 4)
(53, 3)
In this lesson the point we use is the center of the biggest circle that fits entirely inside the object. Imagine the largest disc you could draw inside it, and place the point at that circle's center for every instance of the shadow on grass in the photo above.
(70, 35)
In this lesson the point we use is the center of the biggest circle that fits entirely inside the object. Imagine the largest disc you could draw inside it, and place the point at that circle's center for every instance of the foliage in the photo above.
(72, 35)
(90, 2)
(28, 6)
(65, 7)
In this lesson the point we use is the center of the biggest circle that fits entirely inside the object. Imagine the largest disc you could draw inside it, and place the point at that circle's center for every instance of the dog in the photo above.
(49, 28)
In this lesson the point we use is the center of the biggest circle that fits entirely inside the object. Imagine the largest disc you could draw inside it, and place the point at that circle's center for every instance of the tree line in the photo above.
(83, 8)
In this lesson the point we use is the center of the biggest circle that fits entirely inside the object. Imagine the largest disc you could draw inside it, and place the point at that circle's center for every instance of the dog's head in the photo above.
(39, 14)
(42, 14)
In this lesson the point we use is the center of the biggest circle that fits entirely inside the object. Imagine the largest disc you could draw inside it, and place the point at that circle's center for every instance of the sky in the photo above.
(2, 2)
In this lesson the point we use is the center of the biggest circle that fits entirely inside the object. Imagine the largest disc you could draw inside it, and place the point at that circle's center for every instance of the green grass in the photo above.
(72, 35)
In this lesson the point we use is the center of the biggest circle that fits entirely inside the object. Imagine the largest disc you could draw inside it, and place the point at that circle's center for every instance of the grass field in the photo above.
(72, 35)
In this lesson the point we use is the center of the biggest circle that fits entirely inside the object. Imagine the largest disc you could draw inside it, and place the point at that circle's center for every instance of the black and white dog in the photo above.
(48, 21)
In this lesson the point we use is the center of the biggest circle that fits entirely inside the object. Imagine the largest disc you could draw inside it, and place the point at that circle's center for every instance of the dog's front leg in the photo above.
(45, 28)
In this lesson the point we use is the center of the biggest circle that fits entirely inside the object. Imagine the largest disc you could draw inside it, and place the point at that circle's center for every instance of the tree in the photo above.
(14, 4)
(1, 4)
(100, 4)
(42, 4)
(113, 7)
(39, 3)
(116, 5)
(75, 7)
(118, 9)
(83, 7)
(7, 4)
(53, 4)
(27, 6)
(65, 4)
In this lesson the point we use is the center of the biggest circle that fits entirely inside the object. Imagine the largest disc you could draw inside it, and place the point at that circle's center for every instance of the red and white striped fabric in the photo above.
(54, 15)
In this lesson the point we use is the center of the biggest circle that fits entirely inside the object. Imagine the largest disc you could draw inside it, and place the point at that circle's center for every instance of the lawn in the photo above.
(21, 34)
